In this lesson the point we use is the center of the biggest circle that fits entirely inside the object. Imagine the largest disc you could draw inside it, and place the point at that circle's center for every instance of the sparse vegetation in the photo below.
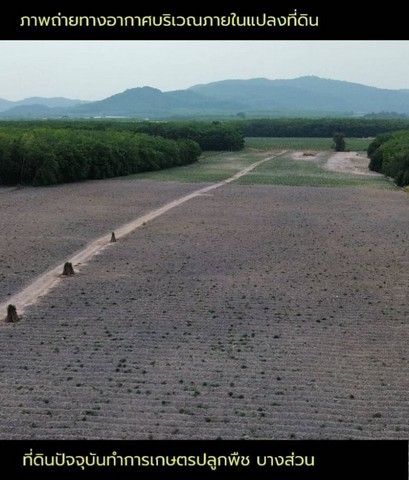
(285, 170)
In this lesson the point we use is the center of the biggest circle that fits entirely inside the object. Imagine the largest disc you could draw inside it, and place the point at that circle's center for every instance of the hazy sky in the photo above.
(92, 70)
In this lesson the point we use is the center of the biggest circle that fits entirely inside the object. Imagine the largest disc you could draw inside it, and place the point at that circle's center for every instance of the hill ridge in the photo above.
(229, 97)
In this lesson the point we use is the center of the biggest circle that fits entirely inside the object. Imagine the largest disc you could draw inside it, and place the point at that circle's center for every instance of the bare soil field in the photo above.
(249, 312)
(44, 282)
(39, 227)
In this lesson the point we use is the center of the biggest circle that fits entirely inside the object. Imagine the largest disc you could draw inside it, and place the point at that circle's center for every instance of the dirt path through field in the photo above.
(44, 283)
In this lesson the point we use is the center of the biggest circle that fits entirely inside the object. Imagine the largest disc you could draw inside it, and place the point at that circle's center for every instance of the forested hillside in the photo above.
(256, 97)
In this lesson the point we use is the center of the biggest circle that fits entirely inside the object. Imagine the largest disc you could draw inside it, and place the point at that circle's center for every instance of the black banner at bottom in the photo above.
(160, 460)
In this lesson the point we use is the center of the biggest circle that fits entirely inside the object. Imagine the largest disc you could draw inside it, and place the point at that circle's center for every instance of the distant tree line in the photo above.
(319, 127)
(209, 135)
(389, 154)
(45, 156)
(386, 115)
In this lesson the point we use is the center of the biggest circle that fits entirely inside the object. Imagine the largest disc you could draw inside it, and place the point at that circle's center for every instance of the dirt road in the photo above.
(45, 282)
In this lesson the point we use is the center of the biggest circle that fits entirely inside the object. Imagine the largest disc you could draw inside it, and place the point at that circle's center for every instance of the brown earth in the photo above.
(44, 282)
(40, 227)
(249, 312)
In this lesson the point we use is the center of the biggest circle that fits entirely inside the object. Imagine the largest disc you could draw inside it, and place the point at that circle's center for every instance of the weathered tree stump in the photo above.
(68, 269)
(113, 238)
(12, 316)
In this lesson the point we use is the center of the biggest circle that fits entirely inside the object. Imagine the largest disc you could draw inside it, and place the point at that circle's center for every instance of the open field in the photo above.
(211, 167)
(254, 311)
(290, 168)
(317, 169)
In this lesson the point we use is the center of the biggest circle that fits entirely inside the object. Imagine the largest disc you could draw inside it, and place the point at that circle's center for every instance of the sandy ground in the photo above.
(350, 162)
(247, 312)
(344, 162)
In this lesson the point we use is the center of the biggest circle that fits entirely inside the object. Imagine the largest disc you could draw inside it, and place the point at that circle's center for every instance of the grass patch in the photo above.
(286, 171)
(212, 167)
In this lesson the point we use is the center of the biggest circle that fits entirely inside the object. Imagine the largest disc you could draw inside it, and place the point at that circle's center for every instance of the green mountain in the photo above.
(148, 102)
(5, 104)
(254, 97)
(307, 93)
(52, 102)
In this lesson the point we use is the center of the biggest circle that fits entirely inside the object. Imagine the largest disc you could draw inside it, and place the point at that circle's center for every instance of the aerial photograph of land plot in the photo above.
(219, 256)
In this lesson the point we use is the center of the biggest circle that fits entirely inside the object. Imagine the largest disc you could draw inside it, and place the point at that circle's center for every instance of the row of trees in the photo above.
(58, 151)
(389, 154)
(219, 136)
(318, 127)
(46, 156)
(210, 136)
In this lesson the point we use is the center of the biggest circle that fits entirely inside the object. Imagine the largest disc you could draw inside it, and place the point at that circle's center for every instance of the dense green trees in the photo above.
(46, 156)
(57, 151)
(208, 135)
(389, 154)
(318, 127)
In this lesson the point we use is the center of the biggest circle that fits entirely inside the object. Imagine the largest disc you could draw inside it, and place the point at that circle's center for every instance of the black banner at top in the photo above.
(289, 20)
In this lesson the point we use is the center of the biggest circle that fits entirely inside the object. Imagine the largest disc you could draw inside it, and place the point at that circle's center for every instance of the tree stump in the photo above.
(68, 269)
(12, 316)
(113, 238)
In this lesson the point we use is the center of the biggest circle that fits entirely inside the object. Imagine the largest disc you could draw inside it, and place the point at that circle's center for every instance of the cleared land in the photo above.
(43, 283)
(40, 227)
(255, 311)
